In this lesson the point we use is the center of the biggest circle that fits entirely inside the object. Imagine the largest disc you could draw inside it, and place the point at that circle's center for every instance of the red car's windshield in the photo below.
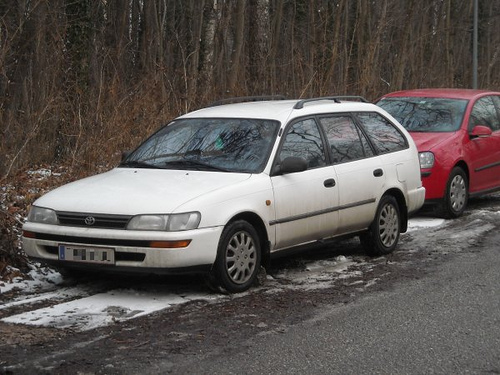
(418, 114)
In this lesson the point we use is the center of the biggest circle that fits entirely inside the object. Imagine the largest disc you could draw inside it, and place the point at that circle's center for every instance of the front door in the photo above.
(306, 203)
(484, 152)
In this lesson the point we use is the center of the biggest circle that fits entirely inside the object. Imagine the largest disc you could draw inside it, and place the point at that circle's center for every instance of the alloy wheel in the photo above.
(241, 257)
(458, 193)
(388, 225)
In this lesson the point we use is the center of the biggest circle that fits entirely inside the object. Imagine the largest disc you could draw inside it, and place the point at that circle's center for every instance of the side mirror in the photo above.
(291, 164)
(480, 131)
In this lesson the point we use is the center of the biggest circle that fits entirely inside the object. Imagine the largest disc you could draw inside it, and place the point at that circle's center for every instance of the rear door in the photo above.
(360, 173)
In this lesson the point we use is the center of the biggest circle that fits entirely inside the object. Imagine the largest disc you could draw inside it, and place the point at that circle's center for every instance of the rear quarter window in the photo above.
(384, 135)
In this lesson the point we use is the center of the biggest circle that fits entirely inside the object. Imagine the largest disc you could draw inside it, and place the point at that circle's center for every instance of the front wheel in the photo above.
(383, 235)
(238, 257)
(456, 195)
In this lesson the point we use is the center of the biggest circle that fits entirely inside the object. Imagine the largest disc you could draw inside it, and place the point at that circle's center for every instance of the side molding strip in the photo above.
(320, 212)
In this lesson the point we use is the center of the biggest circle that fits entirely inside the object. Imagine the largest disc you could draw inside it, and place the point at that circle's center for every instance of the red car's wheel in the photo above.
(456, 195)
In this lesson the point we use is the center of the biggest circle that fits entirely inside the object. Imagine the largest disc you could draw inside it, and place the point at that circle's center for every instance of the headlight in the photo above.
(426, 160)
(42, 215)
(189, 220)
(148, 222)
(171, 223)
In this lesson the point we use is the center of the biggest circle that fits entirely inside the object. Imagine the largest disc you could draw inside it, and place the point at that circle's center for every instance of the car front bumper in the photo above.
(131, 249)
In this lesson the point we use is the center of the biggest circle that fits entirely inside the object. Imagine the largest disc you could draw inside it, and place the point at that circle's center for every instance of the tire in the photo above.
(383, 234)
(238, 257)
(456, 195)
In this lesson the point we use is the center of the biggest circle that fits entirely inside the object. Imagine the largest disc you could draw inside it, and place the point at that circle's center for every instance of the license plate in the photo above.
(102, 255)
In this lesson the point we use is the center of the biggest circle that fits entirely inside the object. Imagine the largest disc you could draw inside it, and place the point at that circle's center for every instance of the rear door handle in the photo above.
(378, 172)
(329, 183)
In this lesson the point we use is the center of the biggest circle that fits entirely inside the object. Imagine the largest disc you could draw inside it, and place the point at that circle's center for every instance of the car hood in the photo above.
(428, 141)
(127, 191)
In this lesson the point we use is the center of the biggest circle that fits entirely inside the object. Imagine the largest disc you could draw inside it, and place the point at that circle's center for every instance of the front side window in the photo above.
(210, 144)
(418, 114)
(383, 134)
(303, 140)
(345, 139)
(484, 113)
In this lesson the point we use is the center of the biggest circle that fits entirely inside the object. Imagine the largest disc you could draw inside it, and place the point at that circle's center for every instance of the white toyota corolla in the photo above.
(222, 189)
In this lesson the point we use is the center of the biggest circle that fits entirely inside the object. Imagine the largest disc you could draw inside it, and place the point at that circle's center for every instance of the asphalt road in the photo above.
(447, 322)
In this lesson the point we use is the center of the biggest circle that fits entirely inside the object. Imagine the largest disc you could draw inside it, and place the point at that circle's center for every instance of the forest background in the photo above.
(83, 80)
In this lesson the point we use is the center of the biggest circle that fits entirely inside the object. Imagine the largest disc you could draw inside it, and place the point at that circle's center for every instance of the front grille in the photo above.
(89, 220)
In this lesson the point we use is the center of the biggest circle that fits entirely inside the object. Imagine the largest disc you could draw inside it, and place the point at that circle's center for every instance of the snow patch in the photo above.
(38, 279)
(102, 309)
(424, 222)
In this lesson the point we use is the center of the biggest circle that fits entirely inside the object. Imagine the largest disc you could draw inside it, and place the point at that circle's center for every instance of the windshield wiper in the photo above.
(138, 164)
(194, 164)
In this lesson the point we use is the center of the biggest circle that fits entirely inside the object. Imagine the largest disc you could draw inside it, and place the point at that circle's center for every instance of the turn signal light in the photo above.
(29, 234)
(170, 244)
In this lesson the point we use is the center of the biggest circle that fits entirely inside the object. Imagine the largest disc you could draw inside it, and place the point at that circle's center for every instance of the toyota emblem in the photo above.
(89, 220)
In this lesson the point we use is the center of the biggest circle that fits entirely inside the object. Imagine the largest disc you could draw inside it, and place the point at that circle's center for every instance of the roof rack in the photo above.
(336, 99)
(243, 99)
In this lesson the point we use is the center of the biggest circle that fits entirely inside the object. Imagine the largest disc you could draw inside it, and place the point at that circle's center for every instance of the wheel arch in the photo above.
(403, 208)
(257, 222)
(463, 165)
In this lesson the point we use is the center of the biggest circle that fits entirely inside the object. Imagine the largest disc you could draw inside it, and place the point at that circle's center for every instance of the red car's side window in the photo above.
(484, 113)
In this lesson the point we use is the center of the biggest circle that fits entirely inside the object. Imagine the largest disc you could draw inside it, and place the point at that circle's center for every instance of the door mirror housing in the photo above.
(291, 164)
(480, 131)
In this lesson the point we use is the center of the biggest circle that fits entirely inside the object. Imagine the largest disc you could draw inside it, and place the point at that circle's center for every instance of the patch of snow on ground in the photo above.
(320, 274)
(473, 229)
(102, 309)
(60, 294)
(424, 222)
(40, 278)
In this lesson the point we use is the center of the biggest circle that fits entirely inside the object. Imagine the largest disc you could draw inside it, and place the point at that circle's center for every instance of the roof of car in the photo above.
(441, 93)
(280, 110)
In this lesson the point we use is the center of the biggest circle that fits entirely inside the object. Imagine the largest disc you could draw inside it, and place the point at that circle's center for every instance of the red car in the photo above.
(457, 133)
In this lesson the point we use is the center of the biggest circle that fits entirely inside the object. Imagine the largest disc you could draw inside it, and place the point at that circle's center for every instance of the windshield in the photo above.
(426, 114)
(229, 145)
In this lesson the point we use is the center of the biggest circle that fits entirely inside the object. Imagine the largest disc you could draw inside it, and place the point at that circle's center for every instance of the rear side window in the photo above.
(382, 133)
(346, 141)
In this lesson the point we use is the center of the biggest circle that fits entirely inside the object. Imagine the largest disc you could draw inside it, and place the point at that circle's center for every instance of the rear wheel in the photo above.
(456, 195)
(238, 257)
(383, 235)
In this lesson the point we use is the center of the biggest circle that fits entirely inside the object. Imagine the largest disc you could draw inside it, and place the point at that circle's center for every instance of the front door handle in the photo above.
(378, 172)
(329, 183)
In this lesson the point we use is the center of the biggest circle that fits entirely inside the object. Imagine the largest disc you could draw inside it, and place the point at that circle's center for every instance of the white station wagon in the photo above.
(222, 189)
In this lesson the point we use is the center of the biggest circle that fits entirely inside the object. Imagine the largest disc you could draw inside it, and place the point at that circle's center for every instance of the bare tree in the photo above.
(81, 78)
